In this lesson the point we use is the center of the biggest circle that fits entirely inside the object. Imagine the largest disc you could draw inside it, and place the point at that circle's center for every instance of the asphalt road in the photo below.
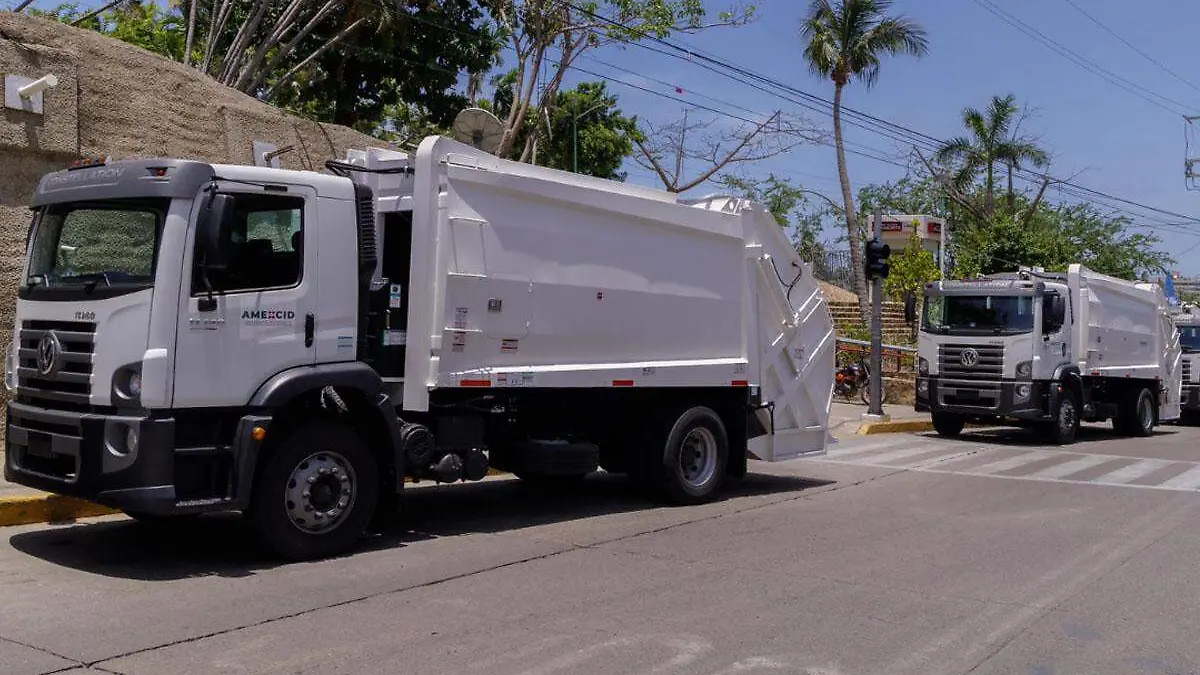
(902, 554)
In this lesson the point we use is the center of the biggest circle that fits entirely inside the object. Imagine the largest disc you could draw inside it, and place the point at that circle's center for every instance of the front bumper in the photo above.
(1191, 397)
(86, 455)
(994, 399)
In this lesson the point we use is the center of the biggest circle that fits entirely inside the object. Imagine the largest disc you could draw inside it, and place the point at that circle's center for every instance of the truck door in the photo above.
(1055, 333)
(260, 319)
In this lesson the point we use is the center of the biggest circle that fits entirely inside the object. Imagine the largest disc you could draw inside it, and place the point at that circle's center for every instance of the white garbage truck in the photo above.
(296, 345)
(1048, 350)
(1187, 322)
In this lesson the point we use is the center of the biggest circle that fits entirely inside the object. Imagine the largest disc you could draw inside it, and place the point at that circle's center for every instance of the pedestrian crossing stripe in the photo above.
(993, 460)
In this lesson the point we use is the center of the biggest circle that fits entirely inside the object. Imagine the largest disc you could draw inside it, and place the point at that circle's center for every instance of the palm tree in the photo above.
(993, 140)
(847, 39)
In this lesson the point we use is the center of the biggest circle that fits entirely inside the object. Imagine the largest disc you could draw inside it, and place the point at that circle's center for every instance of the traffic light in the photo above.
(877, 255)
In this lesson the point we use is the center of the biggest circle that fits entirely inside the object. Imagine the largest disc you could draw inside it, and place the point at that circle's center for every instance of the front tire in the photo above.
(316, 494)
(694, 458)
(948, 425)
(1065, 427)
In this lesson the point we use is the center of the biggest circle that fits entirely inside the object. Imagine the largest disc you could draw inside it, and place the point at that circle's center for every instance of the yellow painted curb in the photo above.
(903, 426)
(47, 508)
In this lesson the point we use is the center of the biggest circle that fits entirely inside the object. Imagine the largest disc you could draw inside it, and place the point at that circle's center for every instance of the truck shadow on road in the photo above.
(224, 545)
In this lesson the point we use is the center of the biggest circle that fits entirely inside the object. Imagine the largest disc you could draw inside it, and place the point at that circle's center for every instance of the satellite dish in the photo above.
(479, 128)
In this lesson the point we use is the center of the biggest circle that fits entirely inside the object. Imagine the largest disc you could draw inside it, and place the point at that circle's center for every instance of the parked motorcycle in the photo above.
(851, 379)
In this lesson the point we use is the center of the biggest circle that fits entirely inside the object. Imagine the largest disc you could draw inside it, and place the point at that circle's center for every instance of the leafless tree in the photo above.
(688, 152)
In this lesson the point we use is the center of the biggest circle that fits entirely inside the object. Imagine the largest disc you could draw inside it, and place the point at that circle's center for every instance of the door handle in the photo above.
(310, 329)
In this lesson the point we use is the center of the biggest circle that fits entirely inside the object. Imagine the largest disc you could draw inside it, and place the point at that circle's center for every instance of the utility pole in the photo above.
(876, 270)
(876, 407)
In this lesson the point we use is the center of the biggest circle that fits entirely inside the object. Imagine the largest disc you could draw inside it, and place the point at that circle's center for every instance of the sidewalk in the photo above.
(846, 418)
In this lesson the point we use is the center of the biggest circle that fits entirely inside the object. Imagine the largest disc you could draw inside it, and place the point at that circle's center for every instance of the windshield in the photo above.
(993, 314)
(103, 244)
(1189, 338)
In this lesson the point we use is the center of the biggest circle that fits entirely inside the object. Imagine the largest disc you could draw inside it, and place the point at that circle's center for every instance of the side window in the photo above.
(265, 248)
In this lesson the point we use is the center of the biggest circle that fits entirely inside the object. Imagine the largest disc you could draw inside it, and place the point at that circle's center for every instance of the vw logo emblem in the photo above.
(969, 357)
(48, 351)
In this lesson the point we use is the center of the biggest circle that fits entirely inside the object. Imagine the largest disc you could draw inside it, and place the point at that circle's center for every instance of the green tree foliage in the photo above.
(911, 269)
(605, 135)
(847, 40)
(145, 25)
(993, 139)
(367, 64)
(1052, 236)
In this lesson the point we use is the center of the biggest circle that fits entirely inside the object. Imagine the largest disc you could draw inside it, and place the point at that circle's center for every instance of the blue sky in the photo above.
(1103, 136)
(1108, 138)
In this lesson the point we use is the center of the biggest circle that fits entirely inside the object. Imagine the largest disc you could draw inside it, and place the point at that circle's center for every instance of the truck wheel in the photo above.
(316, 494)
(1141, 422)
(948, 424)
(695, 457)
(1065, 427)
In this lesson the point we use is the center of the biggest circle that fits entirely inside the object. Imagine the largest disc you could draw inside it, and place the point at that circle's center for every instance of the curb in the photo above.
(903, 426)
(46, 507)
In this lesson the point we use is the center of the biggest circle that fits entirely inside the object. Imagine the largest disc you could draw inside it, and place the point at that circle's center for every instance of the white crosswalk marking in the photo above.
(1134, 471)
(1188, 480)
(968, 456)
(1079, 463)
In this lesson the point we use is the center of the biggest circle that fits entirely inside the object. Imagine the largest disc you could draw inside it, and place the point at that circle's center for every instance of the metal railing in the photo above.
(897, 356)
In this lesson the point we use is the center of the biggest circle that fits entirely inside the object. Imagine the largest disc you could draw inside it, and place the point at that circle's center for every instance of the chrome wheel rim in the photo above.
(320, 492)
(698, 457)
(1145, 413)
(1066, 416)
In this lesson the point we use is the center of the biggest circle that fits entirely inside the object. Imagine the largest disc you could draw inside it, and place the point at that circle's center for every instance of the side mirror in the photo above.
(212, 231)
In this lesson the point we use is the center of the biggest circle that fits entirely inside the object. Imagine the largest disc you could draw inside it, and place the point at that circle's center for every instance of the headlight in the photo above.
(923, 388)
(1025, 369)
(131, 439)
(135, 384)
(1021, 392)
(923, 366)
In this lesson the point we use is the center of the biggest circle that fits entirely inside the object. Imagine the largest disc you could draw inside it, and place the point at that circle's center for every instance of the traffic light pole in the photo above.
(876, 407)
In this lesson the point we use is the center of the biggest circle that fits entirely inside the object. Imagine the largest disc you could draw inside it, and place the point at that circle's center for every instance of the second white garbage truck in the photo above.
(194, 337)
(1048, 350)
(1187, 321)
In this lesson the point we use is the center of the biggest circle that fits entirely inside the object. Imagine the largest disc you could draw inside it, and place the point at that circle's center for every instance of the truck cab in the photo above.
(1187, 321)
(147, 337)
(989, 348)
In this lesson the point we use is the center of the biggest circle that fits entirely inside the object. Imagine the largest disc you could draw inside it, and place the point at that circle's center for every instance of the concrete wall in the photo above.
(117, 100)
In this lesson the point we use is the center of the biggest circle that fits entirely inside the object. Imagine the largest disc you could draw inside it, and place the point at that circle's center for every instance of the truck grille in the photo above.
(988, 365)
(69, 383)
(1187, 370)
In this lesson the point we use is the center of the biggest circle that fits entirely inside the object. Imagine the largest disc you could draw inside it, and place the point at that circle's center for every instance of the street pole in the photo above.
(876, 407)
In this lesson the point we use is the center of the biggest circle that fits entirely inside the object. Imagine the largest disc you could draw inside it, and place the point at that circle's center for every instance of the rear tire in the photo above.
(948, 425)
(692, 465)
(1144, 416)
(316, 494)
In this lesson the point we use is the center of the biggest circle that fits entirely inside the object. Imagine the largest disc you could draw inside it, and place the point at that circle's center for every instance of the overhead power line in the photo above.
(1171, 105)
(1132, 46)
